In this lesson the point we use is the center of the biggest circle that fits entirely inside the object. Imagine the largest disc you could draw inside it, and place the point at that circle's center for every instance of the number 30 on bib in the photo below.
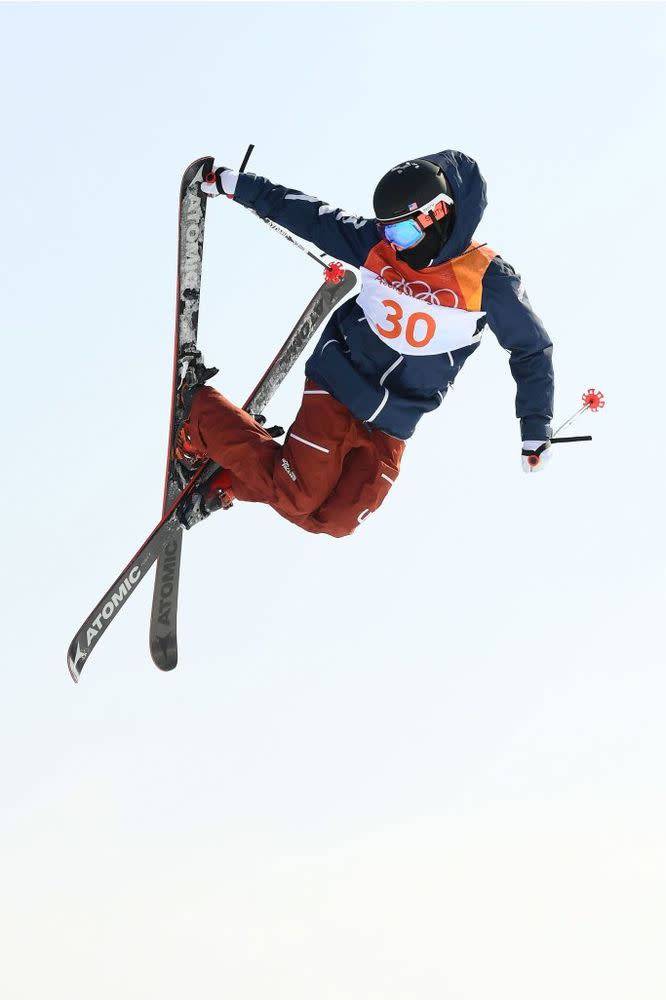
(418, 330)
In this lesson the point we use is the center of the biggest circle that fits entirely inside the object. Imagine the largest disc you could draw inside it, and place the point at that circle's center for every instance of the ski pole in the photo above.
(246, 158)
(333, 273)
(593, 400)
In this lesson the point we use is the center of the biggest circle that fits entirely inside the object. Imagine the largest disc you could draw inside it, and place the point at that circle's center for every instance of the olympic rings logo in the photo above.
(417, 289)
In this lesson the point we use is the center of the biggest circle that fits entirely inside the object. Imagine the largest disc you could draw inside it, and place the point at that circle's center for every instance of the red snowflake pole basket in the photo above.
(334, 273)
(594, 401)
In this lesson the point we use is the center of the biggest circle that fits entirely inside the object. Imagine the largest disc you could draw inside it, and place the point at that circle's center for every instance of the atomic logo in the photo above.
(95, 626)
(418, 289)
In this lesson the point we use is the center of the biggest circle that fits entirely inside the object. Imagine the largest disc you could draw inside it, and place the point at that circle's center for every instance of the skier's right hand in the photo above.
(220, 181)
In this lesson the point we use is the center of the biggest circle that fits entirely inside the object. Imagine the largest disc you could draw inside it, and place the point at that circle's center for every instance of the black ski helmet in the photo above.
(401, 193)
(407, 187)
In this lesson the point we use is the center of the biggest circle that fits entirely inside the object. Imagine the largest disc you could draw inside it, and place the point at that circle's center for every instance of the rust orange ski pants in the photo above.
(330, 474)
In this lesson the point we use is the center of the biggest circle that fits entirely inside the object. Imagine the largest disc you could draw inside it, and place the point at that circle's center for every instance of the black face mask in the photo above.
(430, 246)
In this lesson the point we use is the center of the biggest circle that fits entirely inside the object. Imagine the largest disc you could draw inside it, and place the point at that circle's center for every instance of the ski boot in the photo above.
(214, 494)
(193, 374)
(184, 452)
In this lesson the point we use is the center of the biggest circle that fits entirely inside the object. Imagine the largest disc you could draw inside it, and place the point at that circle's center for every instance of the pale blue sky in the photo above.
(427, 759)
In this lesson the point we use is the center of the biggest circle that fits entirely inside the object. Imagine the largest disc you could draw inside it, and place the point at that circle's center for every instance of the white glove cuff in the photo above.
(542, 459)
(533, 445)
(229, 180)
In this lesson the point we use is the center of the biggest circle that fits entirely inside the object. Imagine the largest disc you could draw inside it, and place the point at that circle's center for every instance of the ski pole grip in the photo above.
(567, 440)
(246, 158)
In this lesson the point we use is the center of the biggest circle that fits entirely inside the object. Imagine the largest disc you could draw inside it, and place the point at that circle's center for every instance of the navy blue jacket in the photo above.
(388, 390)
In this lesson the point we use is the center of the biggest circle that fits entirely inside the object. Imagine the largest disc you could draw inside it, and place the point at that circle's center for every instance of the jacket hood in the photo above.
(468, 190)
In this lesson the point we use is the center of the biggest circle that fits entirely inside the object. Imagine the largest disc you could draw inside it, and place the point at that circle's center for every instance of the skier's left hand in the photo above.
(536, 455)
(217, 183)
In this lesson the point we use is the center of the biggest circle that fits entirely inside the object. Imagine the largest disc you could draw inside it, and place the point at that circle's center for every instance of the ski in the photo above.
(123, 587)
(191, 222)
(167, 535)
(164, 615)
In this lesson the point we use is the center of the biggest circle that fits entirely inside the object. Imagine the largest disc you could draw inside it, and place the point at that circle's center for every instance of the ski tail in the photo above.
(105, 611)
(164, 613)
(115, 598)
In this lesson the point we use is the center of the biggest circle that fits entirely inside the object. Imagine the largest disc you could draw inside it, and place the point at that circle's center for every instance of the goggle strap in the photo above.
(443, 199)
(440, 211)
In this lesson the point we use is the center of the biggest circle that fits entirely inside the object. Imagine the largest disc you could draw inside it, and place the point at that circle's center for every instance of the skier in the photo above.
(386, 356)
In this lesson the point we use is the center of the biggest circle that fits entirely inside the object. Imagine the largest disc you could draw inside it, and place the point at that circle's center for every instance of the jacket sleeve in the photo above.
(520, 332)
(334, 231)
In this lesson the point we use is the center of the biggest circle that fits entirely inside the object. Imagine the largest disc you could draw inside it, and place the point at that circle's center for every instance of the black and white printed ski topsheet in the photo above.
(191, 222)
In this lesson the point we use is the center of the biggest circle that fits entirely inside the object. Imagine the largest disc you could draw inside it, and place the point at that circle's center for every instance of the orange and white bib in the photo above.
(409, 316)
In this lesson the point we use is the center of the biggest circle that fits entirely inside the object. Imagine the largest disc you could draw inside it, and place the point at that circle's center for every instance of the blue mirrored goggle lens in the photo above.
(403, 234)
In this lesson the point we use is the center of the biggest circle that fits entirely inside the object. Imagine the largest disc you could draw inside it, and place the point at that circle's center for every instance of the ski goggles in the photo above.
(406, 233)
